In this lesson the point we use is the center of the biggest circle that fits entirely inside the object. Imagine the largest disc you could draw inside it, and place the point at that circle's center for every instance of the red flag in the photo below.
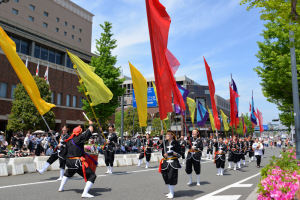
(173, 62)
(260, 120)
(234, 121)
(159, 24)
(211, 86)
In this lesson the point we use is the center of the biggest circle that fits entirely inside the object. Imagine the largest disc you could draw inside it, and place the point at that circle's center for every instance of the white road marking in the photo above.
(26, 184)
(211, 196)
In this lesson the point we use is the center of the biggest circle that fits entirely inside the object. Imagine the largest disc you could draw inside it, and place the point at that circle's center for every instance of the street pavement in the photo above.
(138, 183)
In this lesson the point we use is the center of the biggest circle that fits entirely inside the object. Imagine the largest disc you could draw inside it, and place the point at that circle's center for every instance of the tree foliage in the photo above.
(130, 115)
(104, 63)
(274, 53)
(24, 115)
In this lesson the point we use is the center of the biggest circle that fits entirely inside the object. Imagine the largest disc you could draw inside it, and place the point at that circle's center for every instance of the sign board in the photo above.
(151, 98)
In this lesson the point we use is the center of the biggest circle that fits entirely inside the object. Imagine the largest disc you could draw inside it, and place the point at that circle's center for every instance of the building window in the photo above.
(68, 100)
(69, 63)
(52, 97)
(58, 57)
(65, 33)
(31, 7)
(57, 19)
(73, 37)
(46, 14)
(206, 91)
(66, 23)
(24, 47)
(14, 11)
(79, 39)
(58, 102)
(30, 18)
(45, 25)
(44, 53)
(51, 56)
(74, 102)
(13, 87)
(16, 1)
(57, 29)
(3, 90)
(37, 51)
(80, 30)
(80, 102)
(73, 27)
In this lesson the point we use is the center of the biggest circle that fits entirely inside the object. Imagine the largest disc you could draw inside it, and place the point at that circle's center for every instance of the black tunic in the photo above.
(220, 149)
(113, 140)
(171, 148)
(198, 148)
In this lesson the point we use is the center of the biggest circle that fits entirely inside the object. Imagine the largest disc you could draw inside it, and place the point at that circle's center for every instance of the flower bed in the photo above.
(280, 178)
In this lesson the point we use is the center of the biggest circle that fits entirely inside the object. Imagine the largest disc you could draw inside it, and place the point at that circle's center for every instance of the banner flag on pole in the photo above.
(260, 120)
(46, 74)
(211, 119)
(96, 89)
(37, 69)
(211, 86)
(159, 24)
(140, 90)
(192, 107)
(202, 114)
(225, 120)
(253, 114)
(26, 62)
(9, 48)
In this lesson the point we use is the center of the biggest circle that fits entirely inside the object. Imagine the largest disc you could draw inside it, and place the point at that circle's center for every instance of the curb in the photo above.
(253, 195)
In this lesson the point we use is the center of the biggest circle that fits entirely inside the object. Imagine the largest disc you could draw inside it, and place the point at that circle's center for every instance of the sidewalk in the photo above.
(253, 195)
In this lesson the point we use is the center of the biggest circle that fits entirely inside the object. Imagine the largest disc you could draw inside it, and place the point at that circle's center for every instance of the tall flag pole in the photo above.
(37, 69)
(211, 86)
(159, 24)
(46, 77)
(253, 114)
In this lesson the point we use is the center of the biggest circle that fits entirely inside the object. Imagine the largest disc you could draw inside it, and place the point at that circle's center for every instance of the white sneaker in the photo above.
(59, 179)
(170, 196)
(87, 195)
(189, 183)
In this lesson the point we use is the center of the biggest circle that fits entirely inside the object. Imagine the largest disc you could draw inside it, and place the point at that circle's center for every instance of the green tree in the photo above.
(104, 63)
(24, 115)
(128, 121)
(274, 53)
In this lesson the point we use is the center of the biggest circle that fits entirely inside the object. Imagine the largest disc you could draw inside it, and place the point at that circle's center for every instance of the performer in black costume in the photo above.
(193, 158)
(241, 155)
(169, 165)
(234, 148)
(250, 149)
(230, 154)
(210, 146)
(76, 161)
(220, 151)
(182, 144)
(59, 153)
(109, 148)
(146, 151)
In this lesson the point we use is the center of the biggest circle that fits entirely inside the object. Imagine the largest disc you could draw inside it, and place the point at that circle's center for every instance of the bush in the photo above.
(280, 178)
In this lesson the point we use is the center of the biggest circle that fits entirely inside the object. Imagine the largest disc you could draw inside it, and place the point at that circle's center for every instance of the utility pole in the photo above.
(295, 92)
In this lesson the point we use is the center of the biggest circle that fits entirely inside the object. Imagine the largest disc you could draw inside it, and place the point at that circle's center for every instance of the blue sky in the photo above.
(221, 30)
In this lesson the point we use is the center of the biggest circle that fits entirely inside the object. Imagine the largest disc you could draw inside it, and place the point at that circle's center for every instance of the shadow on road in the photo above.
(93, 191)
(187, 193)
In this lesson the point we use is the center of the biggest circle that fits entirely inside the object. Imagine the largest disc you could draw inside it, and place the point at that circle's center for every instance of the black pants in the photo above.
(236, 157)
(54, 157)
(251, 154)
(242, 156)
(182, 153)
(220, 163)
(258, 160)
(209, 151)
(109, 158)
(190, 163)
(148, 156)
(90, 175)
(170, 175)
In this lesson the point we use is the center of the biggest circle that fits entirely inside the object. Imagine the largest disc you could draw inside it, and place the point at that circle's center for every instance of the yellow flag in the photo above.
(9, 48)
(211, 118)
(140, 91)
(154, 87)
(95, 86)
(192, 107)
(224, 118)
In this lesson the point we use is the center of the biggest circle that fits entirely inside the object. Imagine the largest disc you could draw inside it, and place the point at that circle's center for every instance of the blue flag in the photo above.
(253, 117)
(184, 92)
(202, 114)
